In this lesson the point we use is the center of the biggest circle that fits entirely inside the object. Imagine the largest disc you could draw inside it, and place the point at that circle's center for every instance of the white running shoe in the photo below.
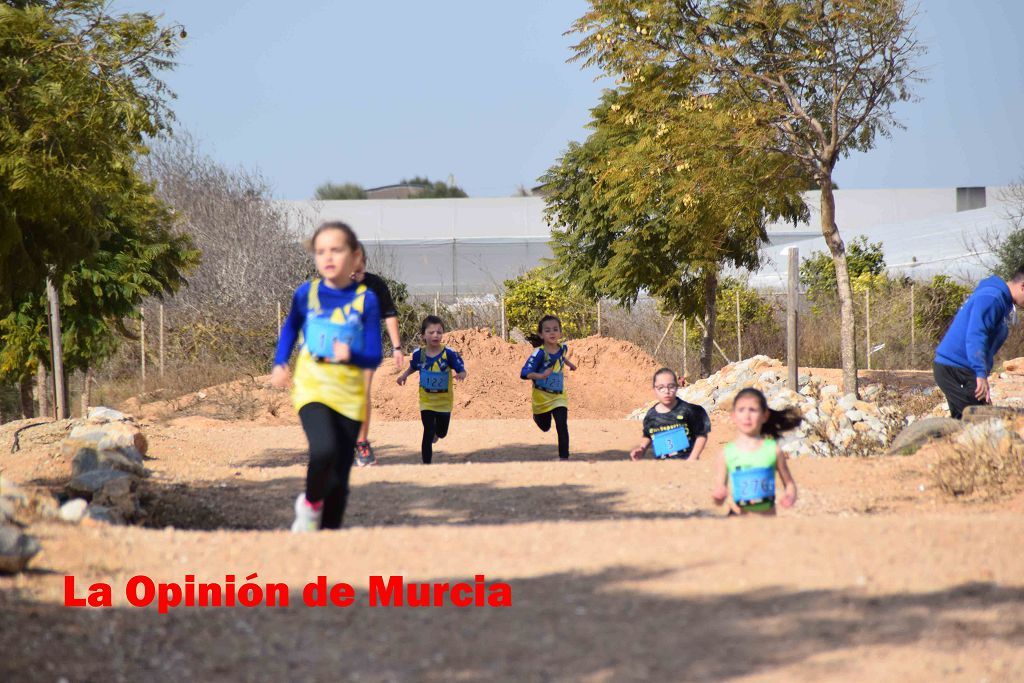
(306, 518)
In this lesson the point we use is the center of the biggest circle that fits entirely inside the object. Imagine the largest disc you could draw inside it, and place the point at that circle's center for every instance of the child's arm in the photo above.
(529, 370)
(565, 358)
(782, 465)
(721, 480)
(457, 364)
(280, 376)
(414, 365)
(639, 451)
(698, 447)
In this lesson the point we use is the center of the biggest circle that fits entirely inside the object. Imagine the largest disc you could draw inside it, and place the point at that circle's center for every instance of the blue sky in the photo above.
(372, 92)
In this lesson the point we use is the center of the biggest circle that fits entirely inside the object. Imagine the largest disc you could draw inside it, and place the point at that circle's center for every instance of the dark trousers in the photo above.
(561, 417)
(958, 384)
(332, 443)
(434, 424)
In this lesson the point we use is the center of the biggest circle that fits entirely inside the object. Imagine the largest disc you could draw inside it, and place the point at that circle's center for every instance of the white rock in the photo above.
(854, 415)
(73, 510)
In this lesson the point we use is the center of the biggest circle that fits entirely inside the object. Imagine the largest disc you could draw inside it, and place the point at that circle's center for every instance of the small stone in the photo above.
(88, 484)
(101, 414)
(16, 549)
(854, 415)
(848, 401)
(73, 510)
(862, 427)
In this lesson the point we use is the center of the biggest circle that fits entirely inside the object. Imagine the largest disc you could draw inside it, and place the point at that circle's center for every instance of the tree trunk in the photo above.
(710, 316)
(28, 408)
(43, 391)
(847, 333)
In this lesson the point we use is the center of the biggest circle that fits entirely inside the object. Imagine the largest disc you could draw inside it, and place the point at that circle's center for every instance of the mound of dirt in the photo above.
(613, 377)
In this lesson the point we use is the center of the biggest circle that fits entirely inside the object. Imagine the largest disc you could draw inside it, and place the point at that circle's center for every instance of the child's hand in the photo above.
(719, 494)
(571, 366)
(280, 378)
(547, 373)
(342, 352)
(460, 375)
(789, 498)
(637, 453)
(401, 379)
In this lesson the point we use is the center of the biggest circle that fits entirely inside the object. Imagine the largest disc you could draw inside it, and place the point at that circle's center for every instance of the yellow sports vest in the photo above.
(338, 386)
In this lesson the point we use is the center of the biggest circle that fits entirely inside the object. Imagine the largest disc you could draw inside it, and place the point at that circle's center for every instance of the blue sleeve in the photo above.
(292, 326)
(372, 352)
(455, 360)
(417, 360)
(986, 316)
(532, 364)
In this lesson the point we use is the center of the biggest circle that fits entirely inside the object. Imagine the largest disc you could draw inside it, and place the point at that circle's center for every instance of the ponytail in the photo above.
(779, 421)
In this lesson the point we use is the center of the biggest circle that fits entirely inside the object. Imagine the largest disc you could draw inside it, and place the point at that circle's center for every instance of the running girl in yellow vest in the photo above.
(546, 368)
(340, 325)
(435, 363)
(748, 464)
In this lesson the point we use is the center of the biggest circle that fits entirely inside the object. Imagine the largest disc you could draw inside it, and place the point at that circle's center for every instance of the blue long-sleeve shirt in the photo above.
(371, 353)
(979, 328)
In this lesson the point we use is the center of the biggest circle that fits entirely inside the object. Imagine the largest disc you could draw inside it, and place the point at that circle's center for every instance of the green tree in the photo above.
(434, 189)
(140, 257)
(818, 271)
(658, 200)
(341, 191)
(79, 94)
(811, 79)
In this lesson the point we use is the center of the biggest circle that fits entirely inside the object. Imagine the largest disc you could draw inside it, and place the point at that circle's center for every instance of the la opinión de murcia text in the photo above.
(383, 591)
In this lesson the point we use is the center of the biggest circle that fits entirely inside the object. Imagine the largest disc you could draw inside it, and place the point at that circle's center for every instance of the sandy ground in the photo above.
(619, 571)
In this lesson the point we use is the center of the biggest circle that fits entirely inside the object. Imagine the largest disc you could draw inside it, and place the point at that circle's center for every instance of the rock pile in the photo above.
(834, 423)
(16, 548)
(106, 452)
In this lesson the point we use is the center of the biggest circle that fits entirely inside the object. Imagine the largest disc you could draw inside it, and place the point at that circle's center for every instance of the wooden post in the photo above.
(504, 332)
(791, 318)
(162, 339)
(867, 327)
(56, 348)
(43, 391)
(599, 318)
(685, 337)
(667, 330)
(913, 354)
(87, 391)
(142, 341)
(739, 330)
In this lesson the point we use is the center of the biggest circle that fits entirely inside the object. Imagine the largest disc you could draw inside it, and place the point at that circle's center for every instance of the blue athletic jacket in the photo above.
(979, 328)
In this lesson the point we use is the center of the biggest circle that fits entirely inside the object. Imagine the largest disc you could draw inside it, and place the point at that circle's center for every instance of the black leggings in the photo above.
(332, 442)
(434, 424)
(561, 416)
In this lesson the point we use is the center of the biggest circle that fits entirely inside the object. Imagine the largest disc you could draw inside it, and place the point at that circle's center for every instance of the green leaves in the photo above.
(78, 95)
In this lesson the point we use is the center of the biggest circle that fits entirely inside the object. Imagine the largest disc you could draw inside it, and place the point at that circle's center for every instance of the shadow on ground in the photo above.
(564, 626)
(268, 505)
(409, 454)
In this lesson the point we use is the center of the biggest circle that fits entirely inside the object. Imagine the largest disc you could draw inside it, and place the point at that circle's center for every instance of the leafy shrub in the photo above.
(535, 294)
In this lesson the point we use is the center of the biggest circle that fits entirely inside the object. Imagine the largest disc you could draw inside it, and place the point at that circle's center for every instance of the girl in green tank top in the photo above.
(745, 472)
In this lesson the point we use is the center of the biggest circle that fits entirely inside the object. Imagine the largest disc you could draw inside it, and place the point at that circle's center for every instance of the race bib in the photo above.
(670, 441)
(319, 335)
(434, 382)
(553, 383)
(753, 485)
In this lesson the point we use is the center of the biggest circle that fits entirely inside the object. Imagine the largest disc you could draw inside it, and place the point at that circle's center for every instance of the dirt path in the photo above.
(620, 571)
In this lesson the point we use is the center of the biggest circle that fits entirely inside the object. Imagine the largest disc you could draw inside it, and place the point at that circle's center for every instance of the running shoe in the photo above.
(364, 454)
(306, 518)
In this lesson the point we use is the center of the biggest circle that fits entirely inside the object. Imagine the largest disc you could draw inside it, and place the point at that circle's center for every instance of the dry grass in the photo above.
(984, 462)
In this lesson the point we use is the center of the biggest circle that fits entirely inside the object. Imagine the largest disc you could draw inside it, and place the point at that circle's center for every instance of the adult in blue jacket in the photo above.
(965, 355)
